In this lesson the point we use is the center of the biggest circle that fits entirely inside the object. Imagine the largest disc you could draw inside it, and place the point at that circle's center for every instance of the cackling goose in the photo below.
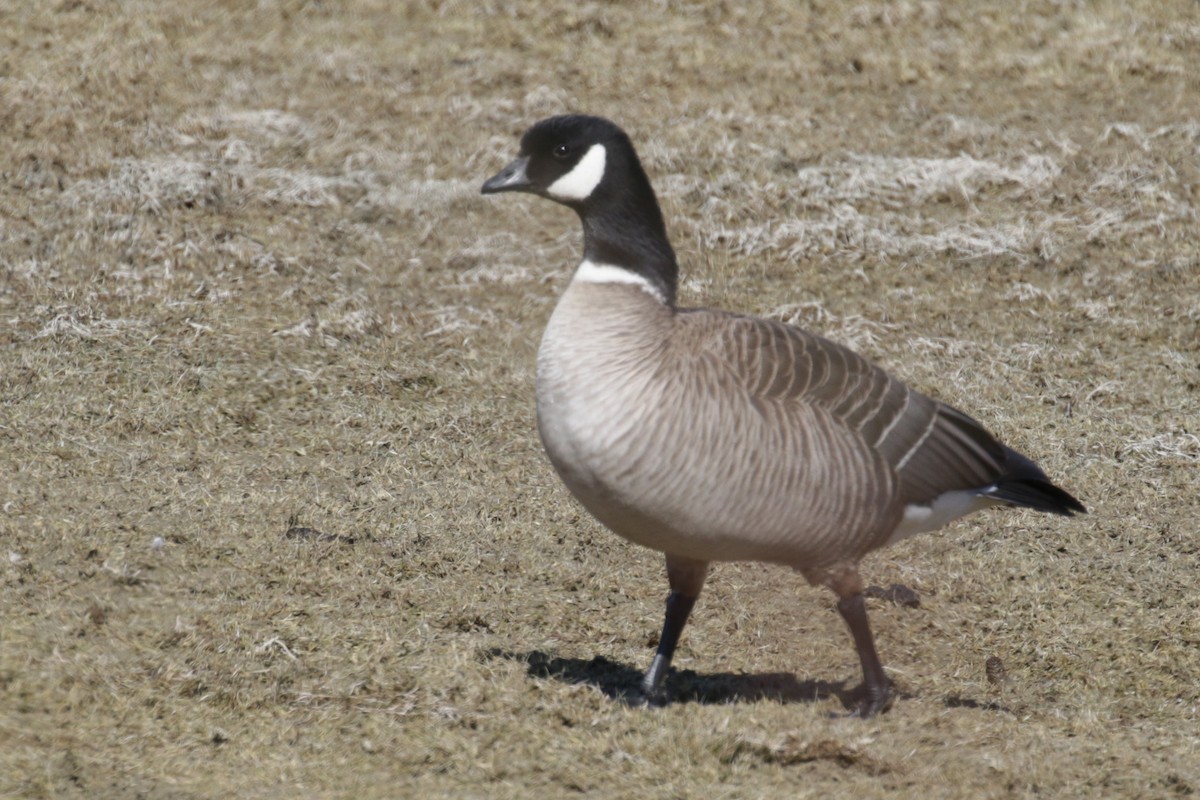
(712, 436)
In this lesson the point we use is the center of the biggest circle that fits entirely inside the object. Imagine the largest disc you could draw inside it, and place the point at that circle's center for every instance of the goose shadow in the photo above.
(622, 682)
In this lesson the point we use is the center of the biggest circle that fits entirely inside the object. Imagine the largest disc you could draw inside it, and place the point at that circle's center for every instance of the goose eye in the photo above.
(562, 150)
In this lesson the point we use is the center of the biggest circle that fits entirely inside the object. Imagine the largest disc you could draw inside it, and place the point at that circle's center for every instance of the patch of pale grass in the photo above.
(294, 187)
(905, 182)
(847, 231)
(152, 183)
(457, 319)
(274, 126)
(1110, 311)
(1143, 184)
(1024, 293)
(1103, 389)
(348, 320)
(855, 331)
(544, 101)
(1165, 447)
(792, 239)
(944, 347)
(974, 241)
(959, 130)
(425, 194)
(496, 273)
(84, 325)
(233, 173)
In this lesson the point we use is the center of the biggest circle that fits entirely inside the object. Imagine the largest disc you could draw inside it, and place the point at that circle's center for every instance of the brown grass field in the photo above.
(275, 520)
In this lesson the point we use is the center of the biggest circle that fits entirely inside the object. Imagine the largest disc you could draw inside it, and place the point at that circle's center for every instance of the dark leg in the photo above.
(876, 684)
(679, 606)
(687, 579)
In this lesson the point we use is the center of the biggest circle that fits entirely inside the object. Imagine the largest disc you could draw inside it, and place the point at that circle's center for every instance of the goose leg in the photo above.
(875, 682)
(686, 577)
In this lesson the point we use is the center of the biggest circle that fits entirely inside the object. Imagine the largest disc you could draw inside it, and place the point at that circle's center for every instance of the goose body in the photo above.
(692, 451)
(713, 436)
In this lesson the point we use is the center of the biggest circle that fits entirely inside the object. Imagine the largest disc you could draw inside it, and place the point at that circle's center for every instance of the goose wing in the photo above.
(931, 447)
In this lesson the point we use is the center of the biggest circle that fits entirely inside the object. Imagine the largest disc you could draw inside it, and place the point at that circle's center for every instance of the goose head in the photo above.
(589, 165)
(566, 159)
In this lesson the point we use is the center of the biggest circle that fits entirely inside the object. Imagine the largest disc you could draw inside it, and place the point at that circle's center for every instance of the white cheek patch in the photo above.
(579, 183)
(591, 272)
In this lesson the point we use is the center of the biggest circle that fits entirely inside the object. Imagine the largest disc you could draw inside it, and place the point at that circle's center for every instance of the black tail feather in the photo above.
(1026, 485)
(1036, 493)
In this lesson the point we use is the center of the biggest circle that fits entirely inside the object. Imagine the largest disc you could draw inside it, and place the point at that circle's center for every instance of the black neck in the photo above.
(623, 226)
(636, 242)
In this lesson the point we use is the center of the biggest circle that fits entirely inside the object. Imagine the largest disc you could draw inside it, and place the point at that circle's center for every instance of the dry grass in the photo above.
(274, 519)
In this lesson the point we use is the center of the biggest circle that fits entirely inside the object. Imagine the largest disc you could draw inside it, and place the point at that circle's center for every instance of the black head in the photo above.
(589, 165)
(564, 159)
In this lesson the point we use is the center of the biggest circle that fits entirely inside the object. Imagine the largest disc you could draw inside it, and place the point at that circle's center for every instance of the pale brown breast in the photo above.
(665, 425)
